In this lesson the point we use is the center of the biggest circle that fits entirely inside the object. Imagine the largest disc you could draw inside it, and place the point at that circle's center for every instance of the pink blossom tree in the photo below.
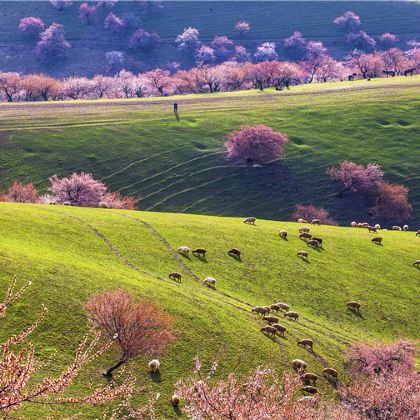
(295, 46)
(242, 27)
(261, 395)
(392, 203)
(188, 40)
(348, 22)
(394, 60)
(78, 189)
(266, 52)
(204, 55)
(357, 177)
(369, 65)
(52, 42)
(259, 144)
(150, 7)
(22, 193)
(360, 40)
(241, 54)
(77, 87)
(31, 26)
(21, 381)
(113, 23)
(309, 212)
(224, 48)
(10, 85)
(387, 41)
(143, 40)
(115, 60)
(88, 14)
(61, 4)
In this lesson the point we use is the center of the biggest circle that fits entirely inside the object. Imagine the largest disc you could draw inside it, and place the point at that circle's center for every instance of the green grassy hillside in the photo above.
(270, 21)
(138, 147)
(63, 251)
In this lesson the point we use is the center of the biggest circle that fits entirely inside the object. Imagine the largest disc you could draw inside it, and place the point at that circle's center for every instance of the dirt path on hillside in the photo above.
(144, 104)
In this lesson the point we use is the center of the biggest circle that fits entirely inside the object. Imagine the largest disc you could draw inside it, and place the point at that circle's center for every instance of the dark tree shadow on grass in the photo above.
(155, 377)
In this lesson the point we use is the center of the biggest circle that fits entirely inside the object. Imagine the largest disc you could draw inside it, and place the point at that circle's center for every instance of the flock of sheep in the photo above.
(309, 379)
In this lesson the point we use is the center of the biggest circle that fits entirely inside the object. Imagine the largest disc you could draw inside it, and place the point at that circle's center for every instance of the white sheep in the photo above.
(154, 365)
(175, 400)
(303, 254)
(405, 227)
(377, 226)
(396, 228)
(183, 250)
(210, 281)
(353, 224)
(283, 233)
(302, 221)
(251, 220)
(103, 205)
(304, 229)
(66, 203)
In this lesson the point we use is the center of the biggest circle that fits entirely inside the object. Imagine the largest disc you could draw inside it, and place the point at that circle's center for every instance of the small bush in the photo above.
(311, 212)
(22, 193)
(31, 25)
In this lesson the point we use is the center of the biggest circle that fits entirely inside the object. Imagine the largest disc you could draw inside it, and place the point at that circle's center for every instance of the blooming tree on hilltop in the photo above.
(52, 42)
(224, 48)
(113, 23)
(188, 40)
(143, 40)
(259, 144)
(295, 46)
(204, 55)
(357, 177)
(136, 327)
(387, 40)
(242, 27)
(266, 52)
(88, 14)
(348, 22)
(360, 40)
(61, 4)
(31, 25)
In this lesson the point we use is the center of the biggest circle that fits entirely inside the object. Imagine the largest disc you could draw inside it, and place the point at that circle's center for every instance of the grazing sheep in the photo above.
(416, 263)
(303, 254)
(310, 389)
(313, 243)
(360, 225)
(308, 377)
(304, 229)
(199, 251)
(103, 205)
(372, 229)
(175, 400)
(396, 228)
(405, 227)
(283, 234)
(183, 250)
(305, 235)
(302, 221)
(293, 315)
(269, 329)
(353, 224)
(418, 233)
(250, 220)
(316, 222)
(353, 305)
(154, 365)
(306, 342)
(267, 309)
(175, 276)
(317, 239)
(377, 240)
(279, 328)
(210, 281)
(330, 372)
(282, 305)
(306, 399)
(275, 307)
(259, 310)
(365, 225)
(299, 365)
(66, 203)
(234, 252)
(378, 226)
(271, 319)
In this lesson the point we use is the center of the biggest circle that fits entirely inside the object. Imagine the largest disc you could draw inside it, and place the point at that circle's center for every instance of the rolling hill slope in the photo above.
(139, 148)
(71, 253)
(270, 21)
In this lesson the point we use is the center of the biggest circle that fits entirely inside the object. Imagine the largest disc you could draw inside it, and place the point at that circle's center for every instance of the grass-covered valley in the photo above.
(72, 253)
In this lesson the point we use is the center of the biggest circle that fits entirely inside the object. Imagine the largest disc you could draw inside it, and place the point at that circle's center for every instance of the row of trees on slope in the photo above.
(247, 146)
(188, 42)
(384, 383)
(229, 76)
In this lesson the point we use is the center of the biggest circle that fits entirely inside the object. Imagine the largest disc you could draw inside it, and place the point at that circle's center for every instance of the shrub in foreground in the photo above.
(259, 144)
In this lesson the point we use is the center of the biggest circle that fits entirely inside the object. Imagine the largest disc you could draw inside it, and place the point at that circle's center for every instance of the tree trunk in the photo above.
(108, 373)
